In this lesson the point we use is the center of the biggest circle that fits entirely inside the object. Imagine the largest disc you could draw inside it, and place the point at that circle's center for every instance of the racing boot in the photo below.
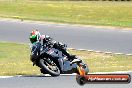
(74, 59)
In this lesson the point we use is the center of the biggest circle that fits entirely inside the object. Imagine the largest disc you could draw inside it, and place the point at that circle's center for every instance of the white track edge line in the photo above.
(101, 52)
(6, 76)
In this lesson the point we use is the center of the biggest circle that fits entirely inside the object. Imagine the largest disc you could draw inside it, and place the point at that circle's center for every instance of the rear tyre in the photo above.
(49, 66)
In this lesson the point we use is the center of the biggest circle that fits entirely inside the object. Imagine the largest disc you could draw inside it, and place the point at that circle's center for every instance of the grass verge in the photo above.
(14, 60)
(81, 12)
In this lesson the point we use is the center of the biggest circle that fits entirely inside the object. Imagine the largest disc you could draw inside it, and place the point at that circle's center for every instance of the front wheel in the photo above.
(49, 66)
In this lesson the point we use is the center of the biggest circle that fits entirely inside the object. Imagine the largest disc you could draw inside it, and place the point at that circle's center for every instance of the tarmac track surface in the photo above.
(79, 37)
(53, 82)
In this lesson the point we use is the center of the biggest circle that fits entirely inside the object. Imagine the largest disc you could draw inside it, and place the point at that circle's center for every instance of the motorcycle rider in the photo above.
(40, 40)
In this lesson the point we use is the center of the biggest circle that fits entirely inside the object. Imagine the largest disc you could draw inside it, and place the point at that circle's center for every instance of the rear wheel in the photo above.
(49, 66)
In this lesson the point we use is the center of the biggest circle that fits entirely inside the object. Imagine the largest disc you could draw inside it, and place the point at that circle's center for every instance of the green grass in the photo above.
(81, 12)
(15, 60)
(101, 62)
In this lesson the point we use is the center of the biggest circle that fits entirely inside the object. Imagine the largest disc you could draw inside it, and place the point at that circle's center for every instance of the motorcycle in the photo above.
(52, 61)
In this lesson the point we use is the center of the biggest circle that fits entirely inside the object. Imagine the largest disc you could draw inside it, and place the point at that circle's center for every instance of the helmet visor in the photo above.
(33, 38)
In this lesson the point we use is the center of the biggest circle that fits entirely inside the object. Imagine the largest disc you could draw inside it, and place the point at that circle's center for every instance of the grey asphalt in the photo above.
(53, 82)
(91, 38)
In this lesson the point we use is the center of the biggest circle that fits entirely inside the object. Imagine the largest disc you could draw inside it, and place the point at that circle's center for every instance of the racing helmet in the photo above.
(34, 36)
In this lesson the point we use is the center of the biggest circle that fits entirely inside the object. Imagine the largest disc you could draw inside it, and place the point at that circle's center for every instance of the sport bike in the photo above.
(52, 61)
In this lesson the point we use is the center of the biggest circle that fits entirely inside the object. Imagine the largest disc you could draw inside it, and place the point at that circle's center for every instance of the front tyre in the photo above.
(49, 66)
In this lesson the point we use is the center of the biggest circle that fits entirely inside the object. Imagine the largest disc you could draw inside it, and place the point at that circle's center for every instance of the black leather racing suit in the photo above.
(57, 45)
